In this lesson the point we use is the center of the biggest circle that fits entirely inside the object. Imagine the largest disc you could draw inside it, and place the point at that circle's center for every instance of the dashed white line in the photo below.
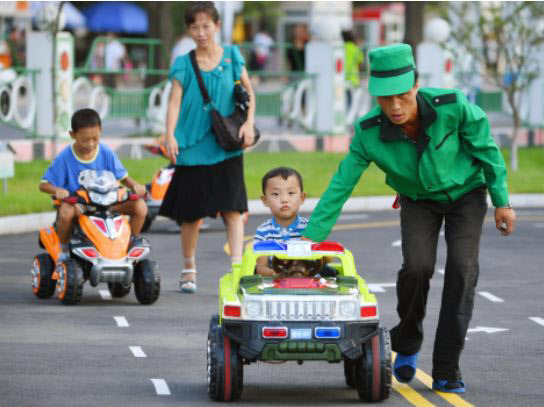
(490, 297)
(351, 216)
(539, 321)
(105, 294)
(380, 287)
(396, 243)
(137, 351)
(440, 271)
(161, 387)
(121, 322)
(539, 225)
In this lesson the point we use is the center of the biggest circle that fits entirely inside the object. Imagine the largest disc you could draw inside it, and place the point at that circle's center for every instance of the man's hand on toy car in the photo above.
(296, 268)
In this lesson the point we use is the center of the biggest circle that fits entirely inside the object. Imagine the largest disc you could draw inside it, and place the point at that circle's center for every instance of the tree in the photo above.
(413, 22)
(161, 27)
(503, 38)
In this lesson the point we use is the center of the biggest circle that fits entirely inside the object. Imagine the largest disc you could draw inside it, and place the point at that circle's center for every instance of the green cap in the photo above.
(391, 70)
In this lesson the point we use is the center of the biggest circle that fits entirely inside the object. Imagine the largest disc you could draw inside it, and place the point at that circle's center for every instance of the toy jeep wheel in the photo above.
(70, 283)
(349, 372)
(42, 284)
(118, 290)
(373, 369)
(147, 282)
(224, 366)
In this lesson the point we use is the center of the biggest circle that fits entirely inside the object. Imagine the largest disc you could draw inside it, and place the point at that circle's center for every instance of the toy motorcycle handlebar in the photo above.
(77, 199)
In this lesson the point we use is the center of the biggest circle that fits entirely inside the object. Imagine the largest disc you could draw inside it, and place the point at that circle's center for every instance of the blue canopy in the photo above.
(117, 17)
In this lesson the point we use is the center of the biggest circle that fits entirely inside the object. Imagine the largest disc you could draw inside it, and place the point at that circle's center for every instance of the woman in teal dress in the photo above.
(208, 180)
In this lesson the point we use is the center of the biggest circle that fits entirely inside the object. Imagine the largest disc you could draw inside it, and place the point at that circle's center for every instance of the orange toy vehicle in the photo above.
(158, 186)
(156, 190)
(101, 248)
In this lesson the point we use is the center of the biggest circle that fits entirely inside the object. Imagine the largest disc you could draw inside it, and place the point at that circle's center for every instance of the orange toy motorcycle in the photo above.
(156, 190)
(101, 248)
(158, 186)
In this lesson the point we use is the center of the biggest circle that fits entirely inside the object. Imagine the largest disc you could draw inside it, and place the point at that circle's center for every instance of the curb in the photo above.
(33, 222)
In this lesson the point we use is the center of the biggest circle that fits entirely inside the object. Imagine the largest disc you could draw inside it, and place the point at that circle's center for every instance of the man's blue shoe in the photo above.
(405, 367)
(449, 386)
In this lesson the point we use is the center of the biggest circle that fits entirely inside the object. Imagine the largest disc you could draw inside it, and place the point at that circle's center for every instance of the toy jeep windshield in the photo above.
(321, 310)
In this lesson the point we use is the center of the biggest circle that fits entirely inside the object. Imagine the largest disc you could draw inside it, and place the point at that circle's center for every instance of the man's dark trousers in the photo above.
(420, 227)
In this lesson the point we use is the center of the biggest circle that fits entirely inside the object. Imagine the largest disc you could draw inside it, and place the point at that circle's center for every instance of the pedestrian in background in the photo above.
(184, 45)
(296, 55)
(438, 154)
(352, 64)
(207, 179)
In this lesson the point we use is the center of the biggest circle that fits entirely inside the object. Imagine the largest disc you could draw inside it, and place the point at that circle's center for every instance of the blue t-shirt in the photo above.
(65, 169)
(193, 132)
(272, 230)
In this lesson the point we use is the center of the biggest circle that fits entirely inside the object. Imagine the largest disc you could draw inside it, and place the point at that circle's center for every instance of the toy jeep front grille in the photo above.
(300, 310)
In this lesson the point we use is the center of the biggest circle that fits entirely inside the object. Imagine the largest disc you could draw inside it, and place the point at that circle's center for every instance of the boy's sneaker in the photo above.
(449, 386)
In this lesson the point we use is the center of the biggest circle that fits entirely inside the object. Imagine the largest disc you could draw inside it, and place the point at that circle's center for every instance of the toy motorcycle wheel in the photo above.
(225, 370)
(147, 282)
(118, 290)
(42, 270)
(349, 372)
(70, 283)
(373, 369)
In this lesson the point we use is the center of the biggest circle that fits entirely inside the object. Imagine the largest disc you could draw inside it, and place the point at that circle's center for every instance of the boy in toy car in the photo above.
(283, 194)
(87, 153)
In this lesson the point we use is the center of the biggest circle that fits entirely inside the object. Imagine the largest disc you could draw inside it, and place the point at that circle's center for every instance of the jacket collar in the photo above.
(392, 132)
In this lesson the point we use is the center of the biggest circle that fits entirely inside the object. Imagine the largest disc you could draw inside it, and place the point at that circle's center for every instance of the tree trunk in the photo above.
(413, 23)
(160, 16)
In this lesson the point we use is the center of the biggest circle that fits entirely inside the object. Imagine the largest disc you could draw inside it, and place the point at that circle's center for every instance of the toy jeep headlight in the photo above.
(348, 309)
(253, 309)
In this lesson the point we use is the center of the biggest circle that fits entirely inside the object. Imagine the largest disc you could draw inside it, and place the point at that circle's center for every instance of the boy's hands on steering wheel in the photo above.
(61, 193)
(139, 189)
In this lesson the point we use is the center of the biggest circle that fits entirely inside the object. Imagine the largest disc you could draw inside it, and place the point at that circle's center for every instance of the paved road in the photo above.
(55, 355)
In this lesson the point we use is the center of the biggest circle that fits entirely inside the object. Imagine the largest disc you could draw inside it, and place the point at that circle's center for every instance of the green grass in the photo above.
(316, 168)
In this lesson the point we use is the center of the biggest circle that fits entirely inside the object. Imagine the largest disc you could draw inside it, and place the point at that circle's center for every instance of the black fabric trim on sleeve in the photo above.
(444, 99)
(369, 123)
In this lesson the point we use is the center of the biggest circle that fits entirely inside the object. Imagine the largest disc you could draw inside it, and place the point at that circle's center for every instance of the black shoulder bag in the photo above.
(226, 128)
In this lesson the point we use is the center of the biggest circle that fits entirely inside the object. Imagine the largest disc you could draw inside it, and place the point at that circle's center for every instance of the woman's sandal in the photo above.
(188, 286)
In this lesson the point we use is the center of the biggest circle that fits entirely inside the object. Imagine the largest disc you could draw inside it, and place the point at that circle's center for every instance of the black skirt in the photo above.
(198, 191)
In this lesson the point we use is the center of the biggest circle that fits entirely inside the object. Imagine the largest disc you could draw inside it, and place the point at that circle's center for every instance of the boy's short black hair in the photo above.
(84, 118)
(196, 7)
(284, 172)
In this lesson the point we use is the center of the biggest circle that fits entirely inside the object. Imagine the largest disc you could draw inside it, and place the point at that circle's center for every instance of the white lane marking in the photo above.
(486, 329)
(440, 271)
(441, 233)
(121, 322)
(161, 387)
(539, 225)
(490, 297)
(539, 321)
(380, 288)
(396, 243)
(137, 351)
(105, 294)
(351, 216)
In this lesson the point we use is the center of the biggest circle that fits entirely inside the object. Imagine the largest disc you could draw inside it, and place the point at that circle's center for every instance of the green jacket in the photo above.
(454, 153)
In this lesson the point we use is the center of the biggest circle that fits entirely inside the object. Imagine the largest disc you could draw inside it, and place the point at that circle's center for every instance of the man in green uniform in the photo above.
(438, 154)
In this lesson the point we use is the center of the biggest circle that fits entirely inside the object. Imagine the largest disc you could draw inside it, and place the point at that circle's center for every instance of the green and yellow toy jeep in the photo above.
(318, 308)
